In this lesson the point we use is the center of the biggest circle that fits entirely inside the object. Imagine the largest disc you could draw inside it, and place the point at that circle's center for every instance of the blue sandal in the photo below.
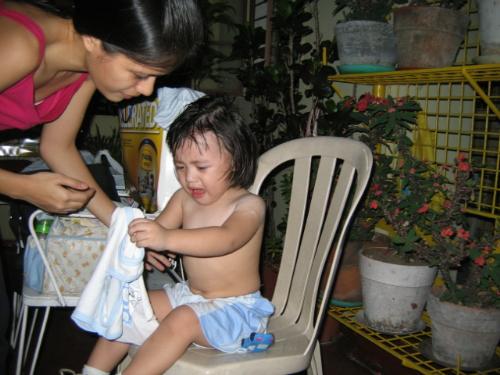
(257, 342)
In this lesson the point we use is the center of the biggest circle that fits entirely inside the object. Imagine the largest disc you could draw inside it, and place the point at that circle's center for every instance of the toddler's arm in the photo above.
(235, 232)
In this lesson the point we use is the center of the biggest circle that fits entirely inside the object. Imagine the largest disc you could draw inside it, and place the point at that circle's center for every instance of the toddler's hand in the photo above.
(157, 260)
(147, 233)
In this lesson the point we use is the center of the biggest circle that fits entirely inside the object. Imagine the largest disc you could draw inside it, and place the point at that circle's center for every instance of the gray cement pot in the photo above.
(489, 31)
(394, 295)
(463, 336)
(366, 43)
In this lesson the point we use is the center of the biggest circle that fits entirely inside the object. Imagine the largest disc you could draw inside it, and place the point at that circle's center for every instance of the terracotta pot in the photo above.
(428, 37)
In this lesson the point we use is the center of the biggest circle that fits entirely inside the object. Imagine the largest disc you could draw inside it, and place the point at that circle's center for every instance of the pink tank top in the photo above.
(17, 103)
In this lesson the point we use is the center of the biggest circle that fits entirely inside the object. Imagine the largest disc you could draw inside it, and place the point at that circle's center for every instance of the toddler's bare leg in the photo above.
(107, 354)
(176, 332)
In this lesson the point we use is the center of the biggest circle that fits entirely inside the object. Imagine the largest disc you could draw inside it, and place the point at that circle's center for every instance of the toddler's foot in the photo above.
(257, 342)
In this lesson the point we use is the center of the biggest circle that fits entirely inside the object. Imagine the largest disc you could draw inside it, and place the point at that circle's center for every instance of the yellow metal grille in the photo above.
(404, 347)
(461, 109)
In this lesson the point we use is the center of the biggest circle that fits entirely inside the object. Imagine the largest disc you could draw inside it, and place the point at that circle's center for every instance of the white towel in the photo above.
(115, 303)
(171, 103)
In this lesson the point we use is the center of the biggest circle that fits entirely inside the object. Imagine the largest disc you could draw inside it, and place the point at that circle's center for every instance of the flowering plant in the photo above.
(376, 122)
(426, 210)
(453, 246)
(423, 205)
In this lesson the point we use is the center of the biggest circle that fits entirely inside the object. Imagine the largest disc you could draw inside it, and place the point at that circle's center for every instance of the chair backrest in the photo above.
(330, 175)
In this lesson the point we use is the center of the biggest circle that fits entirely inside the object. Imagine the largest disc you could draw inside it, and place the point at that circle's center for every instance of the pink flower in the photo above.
(463, 166)
(423, 209)
(375, 187)
(391, 110)
(462, 233)
(362, 105)
(447, 232)
(378, 193)
(480, 261)
(447, 204)
(374, 204)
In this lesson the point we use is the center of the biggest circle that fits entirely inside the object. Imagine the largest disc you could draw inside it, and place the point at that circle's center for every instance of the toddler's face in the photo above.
(203, 168)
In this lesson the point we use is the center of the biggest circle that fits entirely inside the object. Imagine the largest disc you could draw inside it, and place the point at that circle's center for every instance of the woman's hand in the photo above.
(158, 260)
(147, 233)
(54, 192)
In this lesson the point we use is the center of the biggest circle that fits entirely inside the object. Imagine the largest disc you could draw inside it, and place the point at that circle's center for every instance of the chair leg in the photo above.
(39, 341)
(16, 318)
(30, 334)
(315, 367)
(20, 353)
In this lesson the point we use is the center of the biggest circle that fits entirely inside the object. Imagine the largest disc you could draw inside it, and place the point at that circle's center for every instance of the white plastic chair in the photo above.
(32, 300)
(319, 215)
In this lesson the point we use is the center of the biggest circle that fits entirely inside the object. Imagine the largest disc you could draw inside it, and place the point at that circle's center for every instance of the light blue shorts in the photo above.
(224, 321)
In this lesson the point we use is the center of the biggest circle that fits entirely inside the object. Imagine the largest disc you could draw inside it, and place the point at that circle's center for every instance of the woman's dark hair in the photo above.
(152, 32)
(61, 8)
(158, 33)
(217, 114)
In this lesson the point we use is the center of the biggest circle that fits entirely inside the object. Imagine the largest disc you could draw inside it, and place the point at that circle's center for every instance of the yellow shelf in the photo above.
(455, 74)
(404, 347)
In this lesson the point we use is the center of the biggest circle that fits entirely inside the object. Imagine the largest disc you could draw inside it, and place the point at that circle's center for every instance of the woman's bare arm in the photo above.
(58, 149)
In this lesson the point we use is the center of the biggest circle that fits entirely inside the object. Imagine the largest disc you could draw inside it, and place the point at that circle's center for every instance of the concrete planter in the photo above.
(394, 295)
(489, 31)
(462, 336)
(365, 46)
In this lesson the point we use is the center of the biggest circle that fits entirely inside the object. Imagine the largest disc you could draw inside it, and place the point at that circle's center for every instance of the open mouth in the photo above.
(197, 193)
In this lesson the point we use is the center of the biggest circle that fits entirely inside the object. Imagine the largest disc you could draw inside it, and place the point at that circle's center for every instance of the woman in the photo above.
(51, 65)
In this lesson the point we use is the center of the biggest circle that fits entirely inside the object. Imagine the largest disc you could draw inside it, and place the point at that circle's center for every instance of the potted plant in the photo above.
(429, 33)
(395, 280)
(365, 39)
(465, 309)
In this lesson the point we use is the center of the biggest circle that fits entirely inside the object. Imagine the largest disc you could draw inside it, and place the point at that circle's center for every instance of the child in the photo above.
(217, 225)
